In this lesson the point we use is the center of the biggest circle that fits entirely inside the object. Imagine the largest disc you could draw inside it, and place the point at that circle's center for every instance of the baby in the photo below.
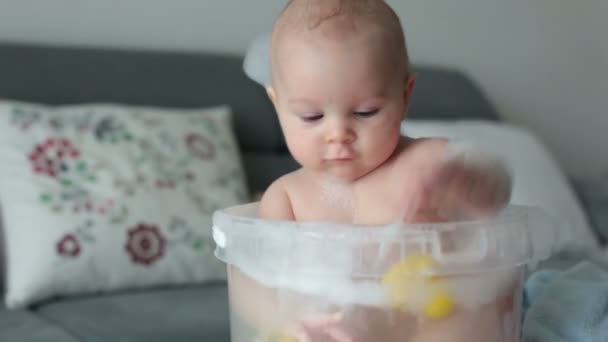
(341, 85)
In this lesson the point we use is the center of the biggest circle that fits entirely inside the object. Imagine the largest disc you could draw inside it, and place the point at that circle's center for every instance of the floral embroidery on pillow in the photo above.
(145, 244)
(110, 130)
(53, 156)
(200, 147)
(72, 243)
(184, 234)
(58, 158)
(68, 246)
(117, 194)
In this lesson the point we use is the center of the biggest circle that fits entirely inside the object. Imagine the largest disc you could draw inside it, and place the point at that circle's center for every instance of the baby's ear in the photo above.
(410, 83)
(271, 94)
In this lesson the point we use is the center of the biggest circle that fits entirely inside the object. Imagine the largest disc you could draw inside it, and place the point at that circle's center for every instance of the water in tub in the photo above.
(474, 301)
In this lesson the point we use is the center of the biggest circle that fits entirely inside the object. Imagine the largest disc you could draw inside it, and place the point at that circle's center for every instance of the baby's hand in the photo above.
(460, 189)
(454, 187)
(325, 327)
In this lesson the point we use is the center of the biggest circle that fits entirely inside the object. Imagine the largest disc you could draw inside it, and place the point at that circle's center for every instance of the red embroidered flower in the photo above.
(145, 244)
(50, 157)
(165, 184)
(68, 246)
(200, 146)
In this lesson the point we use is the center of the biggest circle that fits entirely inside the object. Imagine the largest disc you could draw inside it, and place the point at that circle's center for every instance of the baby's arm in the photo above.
(278, 311)
(480, 183)
(443, 183)
(275, 203)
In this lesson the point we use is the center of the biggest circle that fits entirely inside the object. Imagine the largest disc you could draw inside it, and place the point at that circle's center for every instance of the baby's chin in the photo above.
(345, 170)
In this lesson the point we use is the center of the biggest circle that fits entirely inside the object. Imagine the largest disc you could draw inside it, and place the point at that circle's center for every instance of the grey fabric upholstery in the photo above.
(24, 326)
(445, 94)
(593, 194)
(262, 169)
(160, 315)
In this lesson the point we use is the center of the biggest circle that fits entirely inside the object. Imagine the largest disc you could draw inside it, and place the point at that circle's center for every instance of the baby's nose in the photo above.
(340, 133)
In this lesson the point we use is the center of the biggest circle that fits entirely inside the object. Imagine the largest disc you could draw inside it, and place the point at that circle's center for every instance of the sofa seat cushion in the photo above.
(198, 313)
(24, 326)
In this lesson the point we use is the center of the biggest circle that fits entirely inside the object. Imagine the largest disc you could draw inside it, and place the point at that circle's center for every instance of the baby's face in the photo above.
(340, 104)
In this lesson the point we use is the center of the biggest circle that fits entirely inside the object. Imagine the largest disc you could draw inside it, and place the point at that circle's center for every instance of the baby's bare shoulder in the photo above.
(276, 203)
(414, 148)
(413, 156)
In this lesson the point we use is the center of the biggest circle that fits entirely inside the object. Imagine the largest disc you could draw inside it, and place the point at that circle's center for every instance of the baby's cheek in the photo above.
(304, 152)
(380, 144)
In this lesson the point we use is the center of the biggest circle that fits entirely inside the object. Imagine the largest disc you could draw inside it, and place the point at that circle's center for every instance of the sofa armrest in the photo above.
(593, 195)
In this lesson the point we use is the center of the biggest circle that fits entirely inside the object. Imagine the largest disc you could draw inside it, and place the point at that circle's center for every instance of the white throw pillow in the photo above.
(104, 197)
(538, 180)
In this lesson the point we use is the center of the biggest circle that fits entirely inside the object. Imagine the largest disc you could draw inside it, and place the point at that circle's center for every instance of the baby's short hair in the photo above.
(313, 14)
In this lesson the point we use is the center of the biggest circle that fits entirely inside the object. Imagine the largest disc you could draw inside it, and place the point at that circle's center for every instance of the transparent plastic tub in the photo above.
(298, 281)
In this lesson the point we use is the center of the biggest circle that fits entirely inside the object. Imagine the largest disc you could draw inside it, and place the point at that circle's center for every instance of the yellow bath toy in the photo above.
(413, 285)
(277, 338)
(441, 305)
(286, 338)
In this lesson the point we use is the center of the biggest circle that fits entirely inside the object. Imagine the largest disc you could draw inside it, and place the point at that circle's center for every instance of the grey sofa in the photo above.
(66, 75)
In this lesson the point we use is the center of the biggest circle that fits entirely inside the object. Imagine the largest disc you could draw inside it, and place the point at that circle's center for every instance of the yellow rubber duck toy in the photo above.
(413, 285)
(277, 338)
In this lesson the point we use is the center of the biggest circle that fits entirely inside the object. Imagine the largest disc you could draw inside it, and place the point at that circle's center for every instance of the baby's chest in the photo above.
(358, 207)
(378, 199)
(319, 206)
(376, 208)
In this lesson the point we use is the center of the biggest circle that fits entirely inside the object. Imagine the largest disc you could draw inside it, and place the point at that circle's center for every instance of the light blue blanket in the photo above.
(567, 306)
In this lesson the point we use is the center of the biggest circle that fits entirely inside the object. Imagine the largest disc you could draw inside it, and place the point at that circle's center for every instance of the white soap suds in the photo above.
(336, 193)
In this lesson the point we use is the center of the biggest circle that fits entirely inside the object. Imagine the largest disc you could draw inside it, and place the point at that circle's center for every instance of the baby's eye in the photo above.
(311, 118)
(367, 113)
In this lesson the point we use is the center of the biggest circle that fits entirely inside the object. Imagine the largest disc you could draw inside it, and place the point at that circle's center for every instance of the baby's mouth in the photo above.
(341, 155)
(340, 159)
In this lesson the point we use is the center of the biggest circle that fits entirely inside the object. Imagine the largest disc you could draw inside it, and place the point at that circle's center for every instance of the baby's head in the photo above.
(340, 83)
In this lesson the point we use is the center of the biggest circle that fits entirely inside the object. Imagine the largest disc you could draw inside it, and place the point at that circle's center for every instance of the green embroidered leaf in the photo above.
(87, 238)
(197, 244)
(82, 165)
(120, 216)
(66, 182)
(183, 162)
(46, 198)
